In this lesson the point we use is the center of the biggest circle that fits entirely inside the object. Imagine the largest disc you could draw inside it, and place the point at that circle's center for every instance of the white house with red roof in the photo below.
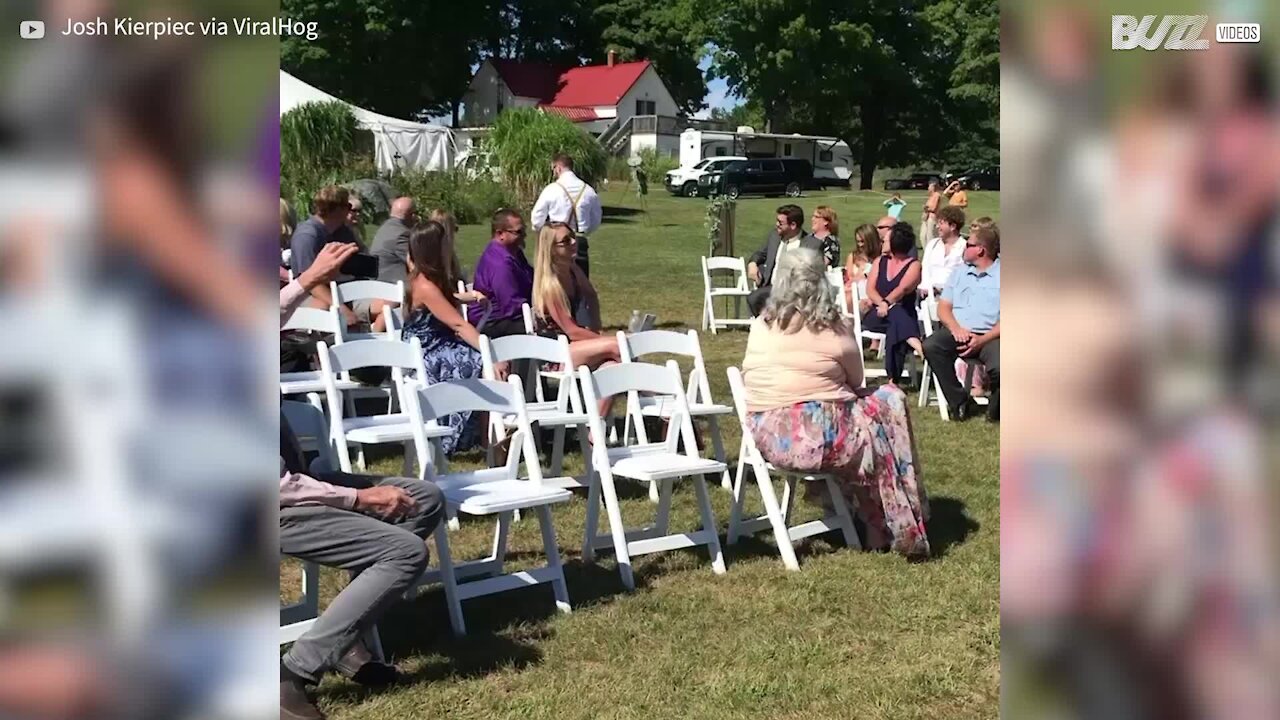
(592, 96)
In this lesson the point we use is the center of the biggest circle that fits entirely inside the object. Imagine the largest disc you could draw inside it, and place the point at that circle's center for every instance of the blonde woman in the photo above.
(866, 247)
(560, 289)
(825, 225)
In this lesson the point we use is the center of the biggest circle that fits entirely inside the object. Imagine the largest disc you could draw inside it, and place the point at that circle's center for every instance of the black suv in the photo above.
(766, 176)
(917, 181)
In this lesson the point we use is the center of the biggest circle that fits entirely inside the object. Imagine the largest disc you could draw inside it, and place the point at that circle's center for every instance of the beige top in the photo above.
(781, 369)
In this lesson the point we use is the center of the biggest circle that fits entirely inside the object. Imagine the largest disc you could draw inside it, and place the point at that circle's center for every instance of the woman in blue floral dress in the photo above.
(450, 344)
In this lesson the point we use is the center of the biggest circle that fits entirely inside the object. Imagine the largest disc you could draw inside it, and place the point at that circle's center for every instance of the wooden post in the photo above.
(728, 216)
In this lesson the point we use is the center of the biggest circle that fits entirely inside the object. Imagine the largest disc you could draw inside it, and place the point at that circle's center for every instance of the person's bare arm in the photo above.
(907, 286)
(590, 297)
(872, 277)
(561, 316)
(445, 311)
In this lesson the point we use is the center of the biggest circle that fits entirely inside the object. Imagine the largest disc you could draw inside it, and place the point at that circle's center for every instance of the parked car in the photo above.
(684, 181)
(765, 176)
(983, 178)
(917, 181)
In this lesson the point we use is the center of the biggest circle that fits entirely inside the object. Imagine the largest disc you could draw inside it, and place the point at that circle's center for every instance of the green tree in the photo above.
(747, 113)
(405, 58)
(872, 72)
(669, 34)
(966, 35)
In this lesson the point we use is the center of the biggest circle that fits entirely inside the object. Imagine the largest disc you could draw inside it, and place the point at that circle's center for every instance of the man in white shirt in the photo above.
(944, 253)
(572, 201)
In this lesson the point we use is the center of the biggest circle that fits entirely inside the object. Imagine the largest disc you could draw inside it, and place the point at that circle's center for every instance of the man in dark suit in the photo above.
(788, 234)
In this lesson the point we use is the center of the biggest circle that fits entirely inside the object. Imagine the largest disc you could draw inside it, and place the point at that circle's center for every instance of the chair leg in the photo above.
(500, 535)
(593, 518)
(708, 523)
(925, 377)
(406, 467)
(450, 582)
(788, 498)
(664, 506)
(619, 532)
(343, 451)
(739, 500)
(360, 457)
(558, 585)
(557, 451)
(717, 444)
(772, 511)
(843, 514)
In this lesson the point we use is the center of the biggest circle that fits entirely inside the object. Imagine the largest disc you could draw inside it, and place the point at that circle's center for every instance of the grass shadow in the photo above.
(615, 214)
(948, 524)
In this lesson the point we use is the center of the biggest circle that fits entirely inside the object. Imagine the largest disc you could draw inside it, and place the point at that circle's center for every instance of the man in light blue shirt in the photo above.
(970, 315)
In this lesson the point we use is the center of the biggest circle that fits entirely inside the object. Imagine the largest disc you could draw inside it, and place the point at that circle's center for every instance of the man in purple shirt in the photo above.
(504, 276)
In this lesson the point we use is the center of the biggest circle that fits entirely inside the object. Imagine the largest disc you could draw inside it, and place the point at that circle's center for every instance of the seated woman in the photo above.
(866, 245)
(450, 345)
(560, 292)
(807, 411)
(891, 287)
(825, 225)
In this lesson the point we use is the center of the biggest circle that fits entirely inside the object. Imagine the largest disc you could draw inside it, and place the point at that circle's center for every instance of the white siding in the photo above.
(666, 145)
(485, 95)
(648, 87)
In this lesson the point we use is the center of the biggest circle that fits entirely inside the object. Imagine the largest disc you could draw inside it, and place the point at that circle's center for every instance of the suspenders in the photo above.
(572, 221)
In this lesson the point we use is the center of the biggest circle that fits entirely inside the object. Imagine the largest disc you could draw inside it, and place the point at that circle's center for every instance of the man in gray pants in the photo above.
(374, 527)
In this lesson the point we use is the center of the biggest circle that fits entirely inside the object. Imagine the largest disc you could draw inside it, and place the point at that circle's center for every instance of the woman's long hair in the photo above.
(432, 257)
(547, 288)
(865, 236)
(445, 218)
(802, 296)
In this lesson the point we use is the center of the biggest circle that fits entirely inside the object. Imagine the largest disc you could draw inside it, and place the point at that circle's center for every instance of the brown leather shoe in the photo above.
(295, 704)
(358, 665)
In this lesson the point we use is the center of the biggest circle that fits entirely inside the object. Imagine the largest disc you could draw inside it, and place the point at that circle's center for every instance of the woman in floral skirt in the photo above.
(808, 411)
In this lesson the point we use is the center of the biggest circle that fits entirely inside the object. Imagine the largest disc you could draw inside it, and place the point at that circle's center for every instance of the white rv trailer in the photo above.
(831, 158)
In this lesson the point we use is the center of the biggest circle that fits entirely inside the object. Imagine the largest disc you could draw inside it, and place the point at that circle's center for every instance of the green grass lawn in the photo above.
(852, 635)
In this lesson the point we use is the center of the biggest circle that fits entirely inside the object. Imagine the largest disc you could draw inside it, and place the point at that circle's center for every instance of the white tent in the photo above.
(398, 143)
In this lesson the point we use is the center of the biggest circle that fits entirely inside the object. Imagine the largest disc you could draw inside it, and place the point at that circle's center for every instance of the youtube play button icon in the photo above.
(31, 29)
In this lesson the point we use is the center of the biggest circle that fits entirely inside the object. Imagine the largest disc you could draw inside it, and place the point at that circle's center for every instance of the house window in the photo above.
(786, 149)
(825, 156)
(646, 107)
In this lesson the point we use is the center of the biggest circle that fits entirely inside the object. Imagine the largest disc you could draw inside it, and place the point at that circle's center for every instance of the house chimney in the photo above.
(613, 56)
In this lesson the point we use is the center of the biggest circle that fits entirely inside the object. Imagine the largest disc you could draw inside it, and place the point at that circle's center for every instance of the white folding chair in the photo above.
(738, 291)
(558, 413)
(497, 492)
(697, 392)
(776, 517)
(852, 313)
(344, 430)
(310, 383)
(366, 290)
(310, 427)
(929, 375)
(660, 462)
(462, 307)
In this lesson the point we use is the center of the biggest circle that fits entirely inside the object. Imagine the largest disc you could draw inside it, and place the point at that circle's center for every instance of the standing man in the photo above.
(957, 196)
(929, 215)
(787, 234)
(504, 276)
(970, 315)
(330, 206)
(572, 201)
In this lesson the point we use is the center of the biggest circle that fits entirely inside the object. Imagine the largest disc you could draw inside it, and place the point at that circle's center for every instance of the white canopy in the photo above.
(397, 143)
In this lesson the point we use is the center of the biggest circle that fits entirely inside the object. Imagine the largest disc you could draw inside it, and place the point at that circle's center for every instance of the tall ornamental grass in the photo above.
(525, 139)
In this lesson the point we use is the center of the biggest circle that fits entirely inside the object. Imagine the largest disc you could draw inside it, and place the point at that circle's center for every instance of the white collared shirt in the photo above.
(938, 262)
(556, 203)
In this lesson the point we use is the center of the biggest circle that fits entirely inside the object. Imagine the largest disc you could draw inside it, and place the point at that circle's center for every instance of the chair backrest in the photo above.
(633, 378)
(394, 319)
(513, 348)
(739, 392)
(527, 313)
(930, 307)
(324, 320)
(403, 358)
(308, 423)
(367, 290)
(499, 399)
(721, 263)
(649, 342)
(835, 278)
